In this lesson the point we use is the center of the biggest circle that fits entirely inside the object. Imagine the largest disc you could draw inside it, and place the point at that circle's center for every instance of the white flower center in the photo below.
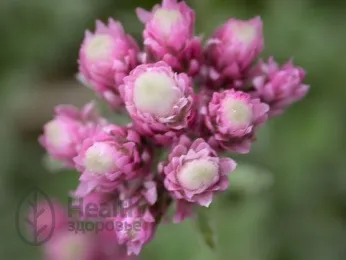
(237, 111)
(155, 93)
(99, 47)
(198, 174)
(57, 134)
(99, 158)
(166, 19)
(245, 33)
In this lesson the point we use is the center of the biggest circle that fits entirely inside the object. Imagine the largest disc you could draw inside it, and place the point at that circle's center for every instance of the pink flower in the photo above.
(105, 58)
(135, 224)
(141, 191)
(168, 36)
(63, 136)
(202, 100)
(232, 49)
(232, 118)
(194, 172)
(67, 245)
(134, 229)
(112, 155)
(160, 102)
(109, 248)
(279, 87)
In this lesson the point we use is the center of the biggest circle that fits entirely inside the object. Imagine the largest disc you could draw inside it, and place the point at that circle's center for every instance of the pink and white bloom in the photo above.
(232, 118)
(159, 101)
(63, 136)
(112, 155)
(169, 36)
(279, 86)
(134, 229)
(194, 172)
(232, 49)
(105, 58)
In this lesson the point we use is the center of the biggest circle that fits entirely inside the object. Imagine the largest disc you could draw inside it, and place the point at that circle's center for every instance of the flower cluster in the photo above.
(189, 103)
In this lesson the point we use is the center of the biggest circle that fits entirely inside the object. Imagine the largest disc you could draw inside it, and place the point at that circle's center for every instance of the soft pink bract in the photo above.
(194, 172)
(62, 137)
(232, 118)
(111, 155)
(279, 87)
(159, 101)
(105, 58)
(168, 36)
(134, 229)
(231, 50)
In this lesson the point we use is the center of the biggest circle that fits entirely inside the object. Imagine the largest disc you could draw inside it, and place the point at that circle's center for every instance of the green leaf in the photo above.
(205, 228)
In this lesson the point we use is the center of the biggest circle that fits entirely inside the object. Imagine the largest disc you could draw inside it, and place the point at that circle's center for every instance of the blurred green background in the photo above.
(289, 195)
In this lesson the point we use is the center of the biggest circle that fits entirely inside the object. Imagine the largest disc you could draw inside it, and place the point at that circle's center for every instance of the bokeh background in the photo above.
(288, 200)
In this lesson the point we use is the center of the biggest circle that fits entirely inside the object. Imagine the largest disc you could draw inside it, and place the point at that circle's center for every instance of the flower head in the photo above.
(232, 117)
(160, 102)
(168, 36)
(105, 58)
(111, 155)
(232, 49)
(63, 136)
(194, 172)
(279, 87)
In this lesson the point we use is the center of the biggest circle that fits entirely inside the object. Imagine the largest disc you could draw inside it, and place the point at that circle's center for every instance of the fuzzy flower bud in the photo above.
(194, 172)
(279, 87)
(111, 155)
(232, 117)
(105, 58)
(63, 136)
(232, 49)
(168, 36)
(160, 102)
